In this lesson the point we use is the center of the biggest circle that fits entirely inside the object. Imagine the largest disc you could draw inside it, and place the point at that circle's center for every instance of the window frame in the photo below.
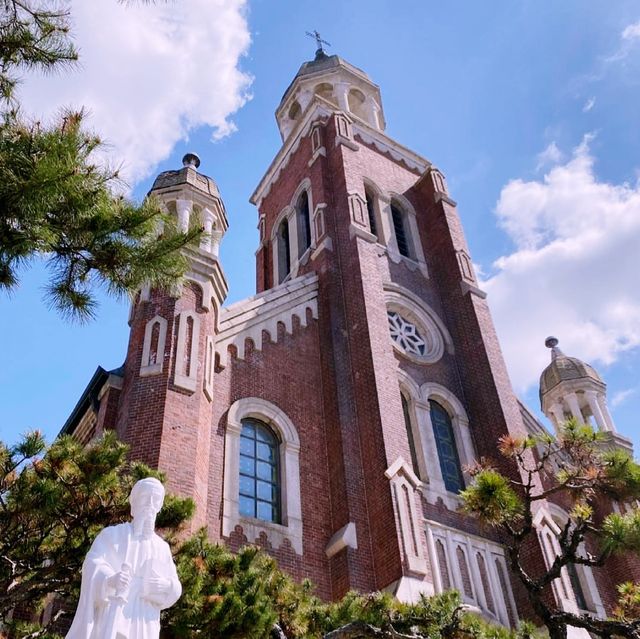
(275, 482)
(290, 528)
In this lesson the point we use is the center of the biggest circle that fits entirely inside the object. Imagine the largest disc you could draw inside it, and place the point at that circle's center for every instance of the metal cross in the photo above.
(318, 39)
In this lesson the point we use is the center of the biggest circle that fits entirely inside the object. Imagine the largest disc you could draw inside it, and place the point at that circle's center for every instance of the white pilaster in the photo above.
(557, 416)
(602, 402)
(207, 223)
(341, 90)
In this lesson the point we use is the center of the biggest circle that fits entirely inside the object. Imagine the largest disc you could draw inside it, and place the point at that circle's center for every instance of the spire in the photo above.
(552, 343)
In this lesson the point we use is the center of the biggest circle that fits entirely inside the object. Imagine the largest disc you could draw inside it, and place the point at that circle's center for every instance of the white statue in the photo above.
(128, 575)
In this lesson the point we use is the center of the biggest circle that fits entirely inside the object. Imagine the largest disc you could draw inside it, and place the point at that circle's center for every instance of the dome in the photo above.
(564, 369)
(188, 174)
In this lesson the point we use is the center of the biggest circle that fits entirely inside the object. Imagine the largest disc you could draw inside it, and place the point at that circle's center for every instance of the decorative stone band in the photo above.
(249, 318)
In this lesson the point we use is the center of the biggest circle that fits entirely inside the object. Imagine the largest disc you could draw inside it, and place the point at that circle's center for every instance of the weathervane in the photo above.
(319, 41)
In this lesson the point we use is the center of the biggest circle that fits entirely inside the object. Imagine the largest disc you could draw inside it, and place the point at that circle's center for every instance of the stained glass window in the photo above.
(259, 472)
(372, 214)
(576, 584)
(446, 446)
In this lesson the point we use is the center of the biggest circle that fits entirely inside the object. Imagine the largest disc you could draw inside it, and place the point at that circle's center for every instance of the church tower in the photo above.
(166, 403)
(415, 386)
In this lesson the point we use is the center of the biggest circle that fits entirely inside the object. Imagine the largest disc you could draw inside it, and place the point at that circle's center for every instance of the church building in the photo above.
(331, 417)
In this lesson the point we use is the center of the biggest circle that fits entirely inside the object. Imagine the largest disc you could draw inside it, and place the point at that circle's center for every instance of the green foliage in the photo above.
(580, 470)
(58, 202)
(491, 497)
(53, 502)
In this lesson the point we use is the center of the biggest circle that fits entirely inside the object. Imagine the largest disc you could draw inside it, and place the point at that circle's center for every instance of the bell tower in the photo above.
(166, 406)
(414, 384)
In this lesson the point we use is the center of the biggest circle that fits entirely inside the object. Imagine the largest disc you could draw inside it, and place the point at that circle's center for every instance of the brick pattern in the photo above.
(337, 380)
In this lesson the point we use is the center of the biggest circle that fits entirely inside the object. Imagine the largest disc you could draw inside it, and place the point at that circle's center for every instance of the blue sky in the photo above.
(530, 109)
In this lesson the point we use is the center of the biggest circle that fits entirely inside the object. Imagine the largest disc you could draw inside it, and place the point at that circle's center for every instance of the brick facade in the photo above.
(333, 370)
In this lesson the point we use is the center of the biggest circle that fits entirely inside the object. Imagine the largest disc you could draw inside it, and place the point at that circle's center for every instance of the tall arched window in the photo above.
(406, 411)
(446, 447)
(397, 217)
(303, 223)
(259, 472)
(372, 214)
(284, 253)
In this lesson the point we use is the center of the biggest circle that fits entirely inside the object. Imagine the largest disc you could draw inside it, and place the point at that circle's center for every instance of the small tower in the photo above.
(166, 408)
(569, 388)
(339, 84)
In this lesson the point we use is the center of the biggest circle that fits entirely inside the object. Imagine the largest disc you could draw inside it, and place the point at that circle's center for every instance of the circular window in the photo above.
(414, 337)
(406, 335)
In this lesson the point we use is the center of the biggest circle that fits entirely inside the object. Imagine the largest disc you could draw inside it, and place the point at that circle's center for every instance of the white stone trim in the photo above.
(548, 521)
(403, 486)
(291, 526)
(147, 368)
(346, 537)
(471, 545)
(414, 309)
(209, 364)
(248, 318)
(180, 378)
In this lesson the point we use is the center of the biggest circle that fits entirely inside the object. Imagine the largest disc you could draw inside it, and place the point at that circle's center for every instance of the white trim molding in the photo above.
(290, 499)
(186, 369)
(482, 578)
(152, 362)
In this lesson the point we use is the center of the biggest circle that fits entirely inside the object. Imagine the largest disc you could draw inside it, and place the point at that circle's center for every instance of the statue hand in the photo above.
(119, 581)
(156, 586)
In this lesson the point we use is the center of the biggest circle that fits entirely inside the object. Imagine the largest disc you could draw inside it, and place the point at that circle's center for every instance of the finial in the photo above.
(319, 42)
(192, 160)
(552, 343)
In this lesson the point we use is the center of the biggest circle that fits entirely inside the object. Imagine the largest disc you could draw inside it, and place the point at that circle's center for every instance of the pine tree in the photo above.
(583, 474)
(57, 202)
(53, 502)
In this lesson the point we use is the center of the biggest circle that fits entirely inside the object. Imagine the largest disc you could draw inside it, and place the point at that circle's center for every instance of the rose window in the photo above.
(406, 335)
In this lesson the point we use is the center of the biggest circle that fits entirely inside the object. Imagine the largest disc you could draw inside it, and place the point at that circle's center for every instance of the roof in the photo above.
(564, 369)
(89, 397)
(323, 62)
(188, 174)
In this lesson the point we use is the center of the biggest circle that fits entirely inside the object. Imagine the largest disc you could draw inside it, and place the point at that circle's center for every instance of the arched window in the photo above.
(303, 223)
(399, 226)
(372, 214)
(259, 472)
(446, 447)
(284, 253)
(406, 411)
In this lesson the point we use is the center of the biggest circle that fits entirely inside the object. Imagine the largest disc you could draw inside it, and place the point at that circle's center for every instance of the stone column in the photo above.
(574, 407)
(602, 402)
(592, 400)
(433, 560)
(207, 222)
(428, 445)
(372, 111)
(342, 92)
(183, 208)
(557, 416)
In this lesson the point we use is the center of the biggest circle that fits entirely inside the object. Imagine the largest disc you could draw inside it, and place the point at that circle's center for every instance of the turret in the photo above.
(569, 388)
(336, 82)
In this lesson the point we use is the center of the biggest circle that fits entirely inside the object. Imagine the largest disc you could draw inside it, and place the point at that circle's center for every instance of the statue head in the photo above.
(146, 500)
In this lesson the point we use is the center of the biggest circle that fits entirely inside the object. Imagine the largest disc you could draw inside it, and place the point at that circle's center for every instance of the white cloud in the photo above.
(622, 396)
(574, 269)
(632, 31)
(151, 73)
(589, 104)
(551, 155)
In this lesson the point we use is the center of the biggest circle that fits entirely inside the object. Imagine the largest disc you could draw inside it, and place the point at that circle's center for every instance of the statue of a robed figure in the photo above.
(128, 575)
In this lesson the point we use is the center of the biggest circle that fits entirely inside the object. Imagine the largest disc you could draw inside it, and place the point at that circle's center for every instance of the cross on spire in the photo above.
(319, 41)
